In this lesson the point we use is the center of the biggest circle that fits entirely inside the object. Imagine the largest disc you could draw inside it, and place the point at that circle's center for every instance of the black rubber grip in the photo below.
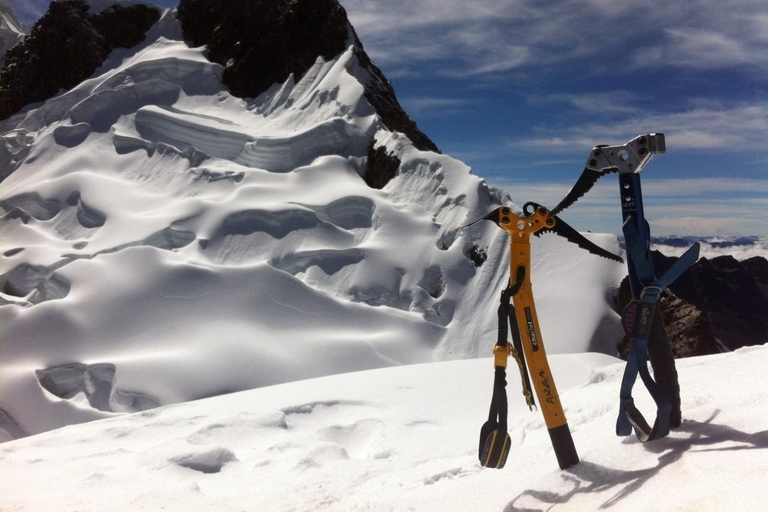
(565, 450)
(663, 364)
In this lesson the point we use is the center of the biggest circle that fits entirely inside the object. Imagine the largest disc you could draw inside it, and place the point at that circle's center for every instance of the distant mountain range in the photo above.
(739, 247)
(714, 241)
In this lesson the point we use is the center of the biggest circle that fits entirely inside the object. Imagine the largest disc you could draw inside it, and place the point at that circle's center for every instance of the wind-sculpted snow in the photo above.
(197, 244)
(34, 284)
(97, 383)
(30, 204)
(328, 260)
(347, 213)
(71, 136)
(285, 153)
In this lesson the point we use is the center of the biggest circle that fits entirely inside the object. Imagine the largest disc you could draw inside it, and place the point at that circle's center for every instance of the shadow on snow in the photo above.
(588, 477)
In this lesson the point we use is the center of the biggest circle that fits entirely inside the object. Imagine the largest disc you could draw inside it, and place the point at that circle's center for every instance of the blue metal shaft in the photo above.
(632, 206)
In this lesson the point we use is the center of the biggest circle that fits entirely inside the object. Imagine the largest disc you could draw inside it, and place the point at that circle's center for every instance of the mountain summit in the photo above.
(258, 42)
(212, 210)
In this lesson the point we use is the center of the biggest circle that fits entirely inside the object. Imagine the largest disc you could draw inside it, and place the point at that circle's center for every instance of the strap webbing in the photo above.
(638, 319)
(629, 415)
(494, 439)
(507, 317)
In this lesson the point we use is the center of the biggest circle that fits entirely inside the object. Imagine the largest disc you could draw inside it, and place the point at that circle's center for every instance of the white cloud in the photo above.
(692, 206)
(698, 225)
(737, 128)
(610, 102)
(425, 105)
(489, 36)
(699, 48)
(740, 252)
(704, 186)
(30, 10)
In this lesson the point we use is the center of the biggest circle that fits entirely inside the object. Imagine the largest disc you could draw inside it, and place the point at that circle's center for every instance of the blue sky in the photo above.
(521, 90)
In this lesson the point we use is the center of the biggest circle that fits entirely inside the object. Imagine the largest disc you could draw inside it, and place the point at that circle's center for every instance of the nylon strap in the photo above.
(637, 319)
(494, 440)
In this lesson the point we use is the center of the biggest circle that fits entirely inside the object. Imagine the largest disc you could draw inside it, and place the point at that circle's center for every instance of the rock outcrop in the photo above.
(687, 327)
(65, 47)
(733, 293)
(381, 166)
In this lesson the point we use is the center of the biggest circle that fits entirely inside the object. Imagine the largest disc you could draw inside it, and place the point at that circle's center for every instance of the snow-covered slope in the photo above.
(164, 241)
(406, 439)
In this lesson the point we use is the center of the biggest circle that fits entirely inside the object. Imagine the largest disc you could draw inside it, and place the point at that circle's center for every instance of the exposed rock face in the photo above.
(477, 255)
(263, 42)
(719, 299)
(687, 327)
(9, 429)
(688, 330)
(381, 166)
(65, 47)
(733, 294)
(381, 95)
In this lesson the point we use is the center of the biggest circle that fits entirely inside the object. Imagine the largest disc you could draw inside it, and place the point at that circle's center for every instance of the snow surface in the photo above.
(405, 438)
(164, 241)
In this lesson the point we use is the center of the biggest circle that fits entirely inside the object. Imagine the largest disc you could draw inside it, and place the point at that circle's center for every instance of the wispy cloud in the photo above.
(702, 49)
(30, 10)
(489, 36)
(694, 206)
(607, 102)
(738, 128)
(700, 226)
(425, 106)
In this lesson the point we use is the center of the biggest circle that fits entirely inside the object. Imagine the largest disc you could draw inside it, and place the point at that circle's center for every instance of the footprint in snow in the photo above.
(211, 461)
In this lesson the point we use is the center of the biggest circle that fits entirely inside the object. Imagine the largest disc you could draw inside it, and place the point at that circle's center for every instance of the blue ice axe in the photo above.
(642, 319)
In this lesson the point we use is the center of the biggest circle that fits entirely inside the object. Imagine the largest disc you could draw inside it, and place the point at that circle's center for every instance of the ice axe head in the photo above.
(506, 219)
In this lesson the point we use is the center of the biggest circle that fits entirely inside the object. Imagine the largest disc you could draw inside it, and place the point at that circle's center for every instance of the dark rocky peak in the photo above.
(263, 42)
(381, 95)
(65, 47)
(733, 293)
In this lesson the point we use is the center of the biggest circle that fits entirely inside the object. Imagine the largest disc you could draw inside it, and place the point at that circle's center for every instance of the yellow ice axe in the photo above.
(528, 347)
